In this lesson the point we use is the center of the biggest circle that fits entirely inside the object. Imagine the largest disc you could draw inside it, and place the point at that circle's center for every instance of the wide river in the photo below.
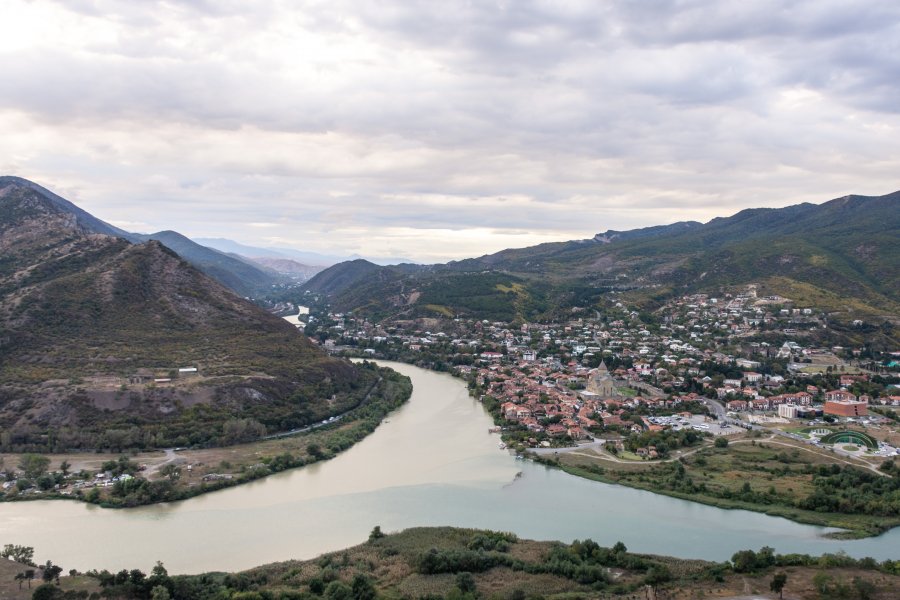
(432, 463)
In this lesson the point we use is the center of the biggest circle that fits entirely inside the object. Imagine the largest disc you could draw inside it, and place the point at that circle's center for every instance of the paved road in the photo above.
(717, 407)
(597, 443)
(330, 421)
(282, 434)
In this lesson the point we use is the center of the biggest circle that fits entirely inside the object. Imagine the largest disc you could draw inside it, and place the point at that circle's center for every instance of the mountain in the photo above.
(84, 220)
(94, 330)
(611, 235)
(233, 247)
(341, 276)
(310, 258)
(245, 278)
(841, 256)
(417, 291)
(286, 266)
(234, 272)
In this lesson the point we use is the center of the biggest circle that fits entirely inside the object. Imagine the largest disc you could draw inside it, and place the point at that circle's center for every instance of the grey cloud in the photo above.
(421, 115)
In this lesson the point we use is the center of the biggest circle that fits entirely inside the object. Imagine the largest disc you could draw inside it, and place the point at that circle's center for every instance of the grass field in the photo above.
(766, 475)
(11, 590)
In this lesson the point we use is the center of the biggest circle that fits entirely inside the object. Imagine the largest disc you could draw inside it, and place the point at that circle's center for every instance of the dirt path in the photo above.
(170, 457)
(601, 454)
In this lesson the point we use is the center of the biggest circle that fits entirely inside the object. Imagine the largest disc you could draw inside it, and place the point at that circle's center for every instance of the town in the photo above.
(715, 365)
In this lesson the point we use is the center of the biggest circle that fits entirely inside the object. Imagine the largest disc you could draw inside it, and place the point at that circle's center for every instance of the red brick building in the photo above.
(845, 404)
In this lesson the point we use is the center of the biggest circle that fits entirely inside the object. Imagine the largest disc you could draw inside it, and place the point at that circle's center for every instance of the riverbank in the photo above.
(432, 463)
(768, 476)
(143, 478)
(780, 477)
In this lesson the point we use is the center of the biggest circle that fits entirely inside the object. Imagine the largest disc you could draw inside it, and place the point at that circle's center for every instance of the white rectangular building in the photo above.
(788, 411)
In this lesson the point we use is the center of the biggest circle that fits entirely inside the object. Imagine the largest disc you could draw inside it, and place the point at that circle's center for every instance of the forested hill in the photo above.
(94, 330)
(843, 255)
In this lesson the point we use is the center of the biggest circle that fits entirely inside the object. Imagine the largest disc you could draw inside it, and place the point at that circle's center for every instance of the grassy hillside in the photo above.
(95, 329)
(466, 564)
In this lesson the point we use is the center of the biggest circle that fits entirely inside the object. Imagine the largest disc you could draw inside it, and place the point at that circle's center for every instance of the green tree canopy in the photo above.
(778, 583)
(33, 465)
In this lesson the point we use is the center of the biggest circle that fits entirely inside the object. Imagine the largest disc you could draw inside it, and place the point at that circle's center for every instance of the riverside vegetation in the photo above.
(216, 468)
(775, 477)
(468, 564)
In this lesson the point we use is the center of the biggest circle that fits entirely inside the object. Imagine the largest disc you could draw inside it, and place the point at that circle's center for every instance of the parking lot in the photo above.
(698, 423)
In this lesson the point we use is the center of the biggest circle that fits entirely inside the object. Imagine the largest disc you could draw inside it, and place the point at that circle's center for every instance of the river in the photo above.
(431, 463)
(294, 320)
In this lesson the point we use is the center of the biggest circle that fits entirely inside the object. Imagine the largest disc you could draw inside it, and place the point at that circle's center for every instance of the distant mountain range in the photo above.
(309, 258)
(841, 256)
(286, 266)
(94, 329)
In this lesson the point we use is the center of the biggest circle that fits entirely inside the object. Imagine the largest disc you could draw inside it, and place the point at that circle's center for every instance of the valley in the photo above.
(184, 389)
(429, 300)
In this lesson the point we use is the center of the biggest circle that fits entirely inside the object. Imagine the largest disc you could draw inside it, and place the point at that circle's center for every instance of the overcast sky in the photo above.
(441, 130)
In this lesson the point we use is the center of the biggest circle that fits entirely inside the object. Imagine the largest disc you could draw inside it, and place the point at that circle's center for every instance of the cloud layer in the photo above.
(445, 130)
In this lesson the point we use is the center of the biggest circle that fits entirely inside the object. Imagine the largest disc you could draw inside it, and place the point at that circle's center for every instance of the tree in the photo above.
(20, 577)
(159, 570)
(46, 592)
(33, 465)
(64, 467)
(317, 586)
(315, 450)
(466, 583)
(721, 442)
(171, 471)
(376, 533)
(19, 554)
(821, 583)
(778, 583)
(338, 590)
(362, 588)
(160, 592)
(51, 572)
(744, 561)
(29, 575)
(865, 589)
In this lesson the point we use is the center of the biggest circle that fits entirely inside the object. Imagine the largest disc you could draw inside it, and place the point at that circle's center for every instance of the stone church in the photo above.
(601, 383)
